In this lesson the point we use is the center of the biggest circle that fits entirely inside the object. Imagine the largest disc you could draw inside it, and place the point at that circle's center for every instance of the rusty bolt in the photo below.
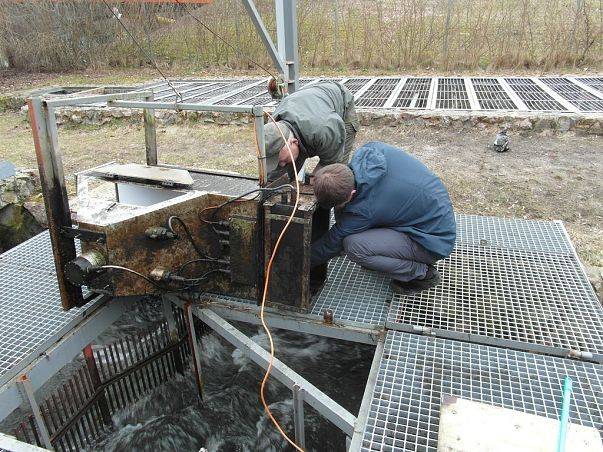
(328, 316)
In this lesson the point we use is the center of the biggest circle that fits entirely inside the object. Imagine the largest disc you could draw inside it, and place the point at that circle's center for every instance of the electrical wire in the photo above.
(129, 270)
(265, 294)
(143, 51)
(188, 234)
(236, 49)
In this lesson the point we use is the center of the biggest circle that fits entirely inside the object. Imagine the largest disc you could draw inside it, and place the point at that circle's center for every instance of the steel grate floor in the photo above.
(355, 84)
(414, 93)
(533, 95)
(378, 93)
(534, 298)
(593, 82)
(353, 293)
(452, 94)
(573, 93)
(416, 371)
(34, 253)
(491, 95)
(513, 233)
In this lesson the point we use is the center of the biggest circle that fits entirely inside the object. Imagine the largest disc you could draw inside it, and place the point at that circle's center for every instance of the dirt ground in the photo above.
(542, 177)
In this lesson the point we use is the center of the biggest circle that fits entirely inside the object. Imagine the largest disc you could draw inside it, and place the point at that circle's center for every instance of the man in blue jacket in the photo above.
(394, 216)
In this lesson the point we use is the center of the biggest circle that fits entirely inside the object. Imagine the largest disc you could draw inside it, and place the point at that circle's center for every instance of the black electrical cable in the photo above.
(129, 270)
(194, 261)
(188, 234)
(143, 51)
(237, 50)
(274, 190)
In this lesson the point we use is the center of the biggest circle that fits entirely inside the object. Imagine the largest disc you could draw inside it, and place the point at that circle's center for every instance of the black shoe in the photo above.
(432, 278)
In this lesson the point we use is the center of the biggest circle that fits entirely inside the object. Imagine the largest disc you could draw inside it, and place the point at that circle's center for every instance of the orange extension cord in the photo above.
(266, 284)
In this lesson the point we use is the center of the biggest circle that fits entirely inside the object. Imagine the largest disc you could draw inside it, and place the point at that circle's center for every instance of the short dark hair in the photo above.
(333, 184)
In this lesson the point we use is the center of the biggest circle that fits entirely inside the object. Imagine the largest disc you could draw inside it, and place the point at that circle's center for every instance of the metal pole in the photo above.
(96, 382)
(286, 35)
(298, 416)
(192, 336)
(50, 167)
(258, 123)
(27, 394)
(150, 132)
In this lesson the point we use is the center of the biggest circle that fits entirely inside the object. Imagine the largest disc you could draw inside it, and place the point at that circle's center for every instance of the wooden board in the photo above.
(467, 426)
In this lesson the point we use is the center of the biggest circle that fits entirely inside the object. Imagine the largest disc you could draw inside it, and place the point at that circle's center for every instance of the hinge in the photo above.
(83, 234)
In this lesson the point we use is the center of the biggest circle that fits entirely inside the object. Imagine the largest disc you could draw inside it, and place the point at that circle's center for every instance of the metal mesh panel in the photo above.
(491, 95)
(533, 95)
(243, 95)
(593, 82)
(514, 233)
(193, 93)
(416, 371)
(516, 295)
(35, 253)
(452, 94)
(353, 293)
(573, 93)
(223, 90)
(414, 93)
(355, 84)
(30, 312)
(378, 93)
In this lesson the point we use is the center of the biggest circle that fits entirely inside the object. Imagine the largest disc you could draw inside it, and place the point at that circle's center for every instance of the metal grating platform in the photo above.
(491, 95)
(34, 253)
(416, 371)
(378, 93)
(533, 95)
(573, 93)
(353, 293)
(530, 297)
(356, 84)
(593, 82)
(452, 94)
(513, 233)
(414, 93)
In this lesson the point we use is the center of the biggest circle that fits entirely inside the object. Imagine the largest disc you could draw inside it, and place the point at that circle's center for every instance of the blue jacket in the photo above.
(393, 190)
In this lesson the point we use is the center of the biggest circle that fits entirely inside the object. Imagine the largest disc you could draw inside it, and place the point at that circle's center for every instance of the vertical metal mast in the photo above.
(286, 34)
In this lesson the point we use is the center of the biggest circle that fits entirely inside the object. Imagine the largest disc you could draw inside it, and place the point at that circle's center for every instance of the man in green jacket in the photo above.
(318, 120)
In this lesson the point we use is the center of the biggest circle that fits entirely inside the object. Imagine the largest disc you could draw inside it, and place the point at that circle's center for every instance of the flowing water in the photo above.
(230, 417)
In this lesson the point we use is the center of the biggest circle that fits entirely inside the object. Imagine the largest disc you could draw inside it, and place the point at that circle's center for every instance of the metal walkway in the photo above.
(513, 306)
(469, 94)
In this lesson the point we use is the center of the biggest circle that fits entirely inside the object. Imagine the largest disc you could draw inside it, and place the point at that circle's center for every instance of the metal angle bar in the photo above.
(471, 94)
(150, 133)
(298, 416)
(27, 394)
(322, 403)
(362, 90)
(496, 342)
(51, 360)
(512, 94)
(554, 95)
(184, 106)
(585, 87)
(433, 94)
(394, 94)
(264, 36)
(195, 348)
(12, 444)
(213, 100)
(304, 323)
(96, 99)
(260, 137)
(286, 37)
(367, 398)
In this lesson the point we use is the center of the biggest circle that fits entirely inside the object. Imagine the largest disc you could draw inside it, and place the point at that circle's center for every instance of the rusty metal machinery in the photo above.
(145, 229)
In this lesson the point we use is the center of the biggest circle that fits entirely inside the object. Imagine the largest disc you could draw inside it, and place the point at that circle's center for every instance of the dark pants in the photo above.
(391, 252)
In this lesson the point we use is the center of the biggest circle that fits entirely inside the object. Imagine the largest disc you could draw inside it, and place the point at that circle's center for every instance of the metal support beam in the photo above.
(260, 139)
(168, 313)
(365, 405)
(264, 36)
(322, 403)
(27, 394)
(192, 336)
(87, 100)
(150, 133)
(184, 106)
(12, 444)
(298, 416)
(286, 35)
(50, 167)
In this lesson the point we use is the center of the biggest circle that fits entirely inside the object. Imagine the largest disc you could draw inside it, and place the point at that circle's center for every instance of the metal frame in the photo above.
(11, 444)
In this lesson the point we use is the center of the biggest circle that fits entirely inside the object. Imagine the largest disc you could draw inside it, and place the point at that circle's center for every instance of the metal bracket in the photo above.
(83, 234)
(27, 394)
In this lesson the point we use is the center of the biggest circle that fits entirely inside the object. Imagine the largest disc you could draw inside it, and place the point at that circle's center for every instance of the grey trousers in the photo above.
(391, 252)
